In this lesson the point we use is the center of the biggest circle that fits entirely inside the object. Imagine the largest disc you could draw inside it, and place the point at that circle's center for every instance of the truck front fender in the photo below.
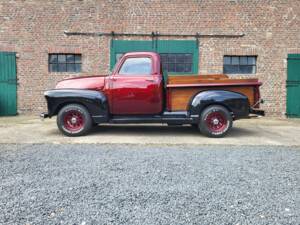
(95, 102)
(236, 103)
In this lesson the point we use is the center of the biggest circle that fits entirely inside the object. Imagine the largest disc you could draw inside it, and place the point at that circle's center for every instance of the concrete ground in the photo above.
(255, 131)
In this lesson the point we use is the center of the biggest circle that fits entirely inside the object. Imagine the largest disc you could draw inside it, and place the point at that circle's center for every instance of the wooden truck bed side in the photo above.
(180, 89)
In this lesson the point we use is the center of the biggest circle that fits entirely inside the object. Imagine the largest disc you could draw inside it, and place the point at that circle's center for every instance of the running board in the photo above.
(166, 117)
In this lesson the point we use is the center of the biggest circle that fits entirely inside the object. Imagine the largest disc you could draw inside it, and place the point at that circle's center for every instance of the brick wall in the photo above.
(34, 28)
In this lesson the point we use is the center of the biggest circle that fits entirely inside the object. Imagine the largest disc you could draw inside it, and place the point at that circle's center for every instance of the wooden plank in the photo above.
(212, 84)
(201, 81)
(206, 79)
(194, 79)
(180, 97)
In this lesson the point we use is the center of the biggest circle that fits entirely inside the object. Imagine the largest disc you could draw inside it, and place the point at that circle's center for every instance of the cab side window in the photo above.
(136, 66)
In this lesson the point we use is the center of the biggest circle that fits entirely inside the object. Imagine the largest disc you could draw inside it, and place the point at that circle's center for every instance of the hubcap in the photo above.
(73, 120)
(216, 122)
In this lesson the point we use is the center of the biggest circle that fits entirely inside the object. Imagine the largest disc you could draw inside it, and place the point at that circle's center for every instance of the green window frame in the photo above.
(178, 47)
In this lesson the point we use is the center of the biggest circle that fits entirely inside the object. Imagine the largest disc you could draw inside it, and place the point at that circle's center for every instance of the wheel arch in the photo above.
(94, 101)
(63, 104)
(217, 104)
(236, 103)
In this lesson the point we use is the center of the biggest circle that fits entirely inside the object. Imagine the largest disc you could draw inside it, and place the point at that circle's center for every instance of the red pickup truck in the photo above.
(138, 91)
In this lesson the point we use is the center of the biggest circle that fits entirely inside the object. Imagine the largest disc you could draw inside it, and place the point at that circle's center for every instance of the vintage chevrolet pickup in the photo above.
(138, 91)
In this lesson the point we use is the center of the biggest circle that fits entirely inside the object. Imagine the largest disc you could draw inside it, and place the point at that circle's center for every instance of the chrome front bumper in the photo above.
(44, 115)
(257, 112)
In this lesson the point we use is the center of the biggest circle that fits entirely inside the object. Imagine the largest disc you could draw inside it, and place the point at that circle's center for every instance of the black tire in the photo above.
(215, 121)
(74, 113)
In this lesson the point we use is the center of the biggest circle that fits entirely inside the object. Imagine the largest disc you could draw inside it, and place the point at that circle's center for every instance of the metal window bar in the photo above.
(153, 34)
(66, 62)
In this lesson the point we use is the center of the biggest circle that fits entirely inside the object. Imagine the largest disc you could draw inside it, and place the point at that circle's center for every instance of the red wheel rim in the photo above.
(216, 122)
(73, 120)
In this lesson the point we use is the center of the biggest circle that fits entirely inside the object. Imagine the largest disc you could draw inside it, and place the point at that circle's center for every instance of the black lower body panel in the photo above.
(166, 117)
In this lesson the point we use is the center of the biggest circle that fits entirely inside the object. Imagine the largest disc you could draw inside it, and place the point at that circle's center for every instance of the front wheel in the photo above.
(74, 120)
(215, 121)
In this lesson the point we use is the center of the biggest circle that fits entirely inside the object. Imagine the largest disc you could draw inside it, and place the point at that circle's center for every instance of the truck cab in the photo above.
(135, 87)
(138, 92)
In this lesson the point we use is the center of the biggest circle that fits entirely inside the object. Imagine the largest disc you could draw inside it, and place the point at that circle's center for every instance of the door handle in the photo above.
(12, 81)
(113, 78)
(150, 79)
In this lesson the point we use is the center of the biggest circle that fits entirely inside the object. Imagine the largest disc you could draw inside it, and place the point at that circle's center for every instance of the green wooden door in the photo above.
(293, 85)
(8, 84)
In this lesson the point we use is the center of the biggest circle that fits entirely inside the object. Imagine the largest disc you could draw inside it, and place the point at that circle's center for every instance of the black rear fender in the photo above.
(95, 102)
(236, 103)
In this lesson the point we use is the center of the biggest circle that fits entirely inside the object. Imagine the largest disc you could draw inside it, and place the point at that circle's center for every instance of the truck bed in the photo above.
(180, 89)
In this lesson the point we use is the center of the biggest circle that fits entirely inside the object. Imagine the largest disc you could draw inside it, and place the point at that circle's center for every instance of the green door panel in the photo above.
(8, 84)
(293, 100)
(159, 46)
(293, 85)
(124, 46)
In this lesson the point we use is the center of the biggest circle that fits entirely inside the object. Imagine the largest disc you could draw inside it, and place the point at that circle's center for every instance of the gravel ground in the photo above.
(139, 184)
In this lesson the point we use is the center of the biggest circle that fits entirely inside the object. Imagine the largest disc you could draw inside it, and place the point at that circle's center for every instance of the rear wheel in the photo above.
(74, 120)
(215, 121)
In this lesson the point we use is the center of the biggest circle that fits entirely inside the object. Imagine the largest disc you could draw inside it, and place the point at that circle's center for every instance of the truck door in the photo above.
(135, 89)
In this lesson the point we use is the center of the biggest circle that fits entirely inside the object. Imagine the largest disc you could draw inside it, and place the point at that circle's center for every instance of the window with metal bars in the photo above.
(239, 64)
(177, 62)
(65, 63)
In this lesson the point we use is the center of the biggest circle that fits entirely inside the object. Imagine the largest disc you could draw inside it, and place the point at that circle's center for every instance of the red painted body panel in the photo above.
(91, 83)
(136, 94)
